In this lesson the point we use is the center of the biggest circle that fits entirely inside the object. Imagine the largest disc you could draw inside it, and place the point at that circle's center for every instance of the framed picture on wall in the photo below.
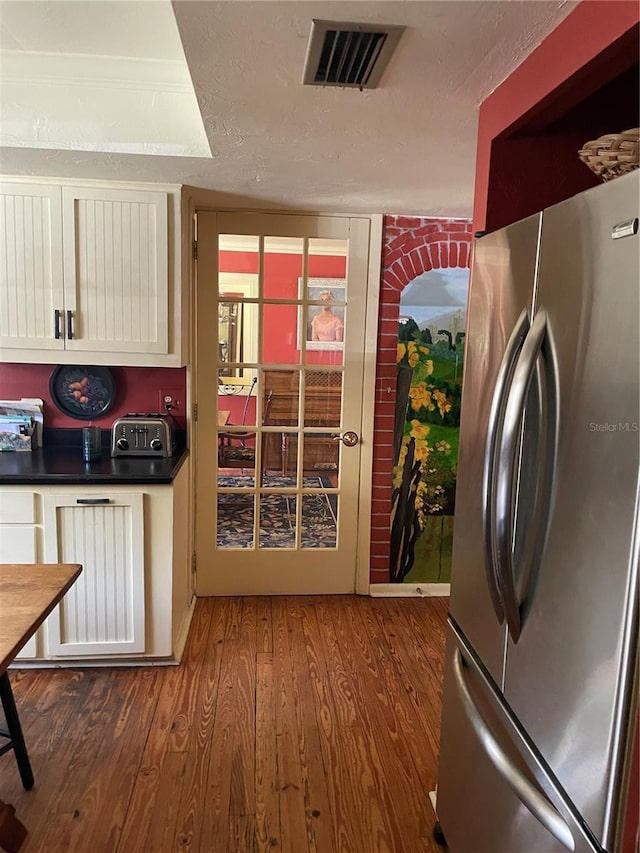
(322, 323)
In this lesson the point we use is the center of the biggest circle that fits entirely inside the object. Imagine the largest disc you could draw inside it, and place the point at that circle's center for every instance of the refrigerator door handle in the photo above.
(494, 436)
(506, 459)
(532, 798)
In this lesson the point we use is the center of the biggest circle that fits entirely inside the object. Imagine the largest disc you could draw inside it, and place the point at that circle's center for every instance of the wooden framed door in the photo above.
(277, 478)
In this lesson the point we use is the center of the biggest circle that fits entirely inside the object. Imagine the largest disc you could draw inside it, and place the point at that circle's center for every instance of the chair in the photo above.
(12, 832)
(237, 449)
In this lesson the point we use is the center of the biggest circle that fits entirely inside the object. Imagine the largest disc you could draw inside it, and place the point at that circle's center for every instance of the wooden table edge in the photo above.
(76, 569)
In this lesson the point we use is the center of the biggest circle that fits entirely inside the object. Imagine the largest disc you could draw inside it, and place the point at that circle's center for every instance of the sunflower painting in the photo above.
(430, 361)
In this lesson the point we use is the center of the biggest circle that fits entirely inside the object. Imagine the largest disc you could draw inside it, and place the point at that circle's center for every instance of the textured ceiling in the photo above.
(406, 147)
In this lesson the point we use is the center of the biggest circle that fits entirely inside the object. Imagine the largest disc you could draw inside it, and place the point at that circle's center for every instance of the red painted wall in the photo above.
(631, 831)
(596, 41)
(234, 403)
(411, 245)
(281, 274)
(137, 390)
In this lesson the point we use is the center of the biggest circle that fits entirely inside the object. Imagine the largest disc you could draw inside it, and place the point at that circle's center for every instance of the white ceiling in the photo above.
(97, 76)
(98, 89)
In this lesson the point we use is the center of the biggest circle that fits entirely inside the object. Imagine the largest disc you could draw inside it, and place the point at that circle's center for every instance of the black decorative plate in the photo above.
(82, 392)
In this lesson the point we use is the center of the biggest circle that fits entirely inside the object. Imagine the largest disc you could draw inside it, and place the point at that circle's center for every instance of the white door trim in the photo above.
(363, 568)
(409, 590)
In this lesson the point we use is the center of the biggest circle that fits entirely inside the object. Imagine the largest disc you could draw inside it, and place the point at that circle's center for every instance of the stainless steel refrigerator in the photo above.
(540, 688)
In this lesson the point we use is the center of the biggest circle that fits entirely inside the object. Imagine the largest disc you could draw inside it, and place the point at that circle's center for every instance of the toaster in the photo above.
(142, 435)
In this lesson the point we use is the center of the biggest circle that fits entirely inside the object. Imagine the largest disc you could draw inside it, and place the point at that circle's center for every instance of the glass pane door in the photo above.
(281, 354)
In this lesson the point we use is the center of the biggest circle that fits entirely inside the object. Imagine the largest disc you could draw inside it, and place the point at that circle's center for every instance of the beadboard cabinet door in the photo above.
(18, 543)
(104, 611)
(31, 269)
(116, 269)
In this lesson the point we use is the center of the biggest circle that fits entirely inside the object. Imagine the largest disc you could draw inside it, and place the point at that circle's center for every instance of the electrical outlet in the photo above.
(172, 399)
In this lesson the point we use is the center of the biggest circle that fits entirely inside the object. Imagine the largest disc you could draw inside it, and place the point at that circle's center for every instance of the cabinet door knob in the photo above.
(57, 331)
(92, 501)
(70, 335)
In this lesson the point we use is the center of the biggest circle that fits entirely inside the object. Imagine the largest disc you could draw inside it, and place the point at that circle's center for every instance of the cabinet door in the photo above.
(18, 545)
(115, 270)
(18, 541)
(104, 611)
(31, 272)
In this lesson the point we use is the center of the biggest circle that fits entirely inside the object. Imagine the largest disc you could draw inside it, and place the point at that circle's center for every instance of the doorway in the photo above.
(280, 342)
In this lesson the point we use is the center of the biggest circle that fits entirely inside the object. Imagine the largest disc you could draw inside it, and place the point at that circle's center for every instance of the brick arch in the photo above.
(411, 247)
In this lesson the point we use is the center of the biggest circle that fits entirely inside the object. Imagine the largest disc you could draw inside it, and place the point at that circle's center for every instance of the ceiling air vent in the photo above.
(348, 55)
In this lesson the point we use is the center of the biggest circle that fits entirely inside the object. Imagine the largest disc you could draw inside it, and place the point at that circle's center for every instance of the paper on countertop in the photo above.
(13, 441)
(26, 407)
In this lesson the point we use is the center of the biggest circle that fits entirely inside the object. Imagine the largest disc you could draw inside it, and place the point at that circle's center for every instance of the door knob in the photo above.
(349, 439)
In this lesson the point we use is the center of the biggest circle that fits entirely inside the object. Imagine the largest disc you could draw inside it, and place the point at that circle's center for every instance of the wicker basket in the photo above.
(612, 155)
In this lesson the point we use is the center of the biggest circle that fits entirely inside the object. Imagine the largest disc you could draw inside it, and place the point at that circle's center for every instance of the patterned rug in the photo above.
(277, 515)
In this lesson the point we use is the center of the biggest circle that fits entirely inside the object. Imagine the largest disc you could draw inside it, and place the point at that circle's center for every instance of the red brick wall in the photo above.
(411, 246)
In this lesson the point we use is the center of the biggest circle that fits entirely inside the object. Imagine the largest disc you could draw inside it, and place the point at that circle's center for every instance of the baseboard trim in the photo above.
(183, 633)
(409, 590)
(433, 799)
(86, 663)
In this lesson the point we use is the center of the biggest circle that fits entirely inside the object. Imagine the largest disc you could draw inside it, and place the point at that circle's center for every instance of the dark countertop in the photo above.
(62, 464)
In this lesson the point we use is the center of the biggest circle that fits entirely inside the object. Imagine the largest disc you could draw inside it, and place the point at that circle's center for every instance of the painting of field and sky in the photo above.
(431, 335)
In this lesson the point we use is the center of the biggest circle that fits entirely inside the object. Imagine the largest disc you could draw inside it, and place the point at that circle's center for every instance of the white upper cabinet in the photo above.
(87, 271)
(31, 278)
(115, 270)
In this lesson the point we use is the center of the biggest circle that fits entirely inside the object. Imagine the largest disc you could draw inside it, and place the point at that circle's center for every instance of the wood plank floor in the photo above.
(293, 724)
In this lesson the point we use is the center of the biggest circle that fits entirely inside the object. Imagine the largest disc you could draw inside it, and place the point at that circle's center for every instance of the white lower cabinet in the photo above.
(132, 601)
(18, 542)
(104, 611)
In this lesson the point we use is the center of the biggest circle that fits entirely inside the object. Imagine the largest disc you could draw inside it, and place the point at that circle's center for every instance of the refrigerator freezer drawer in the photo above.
(493, 794)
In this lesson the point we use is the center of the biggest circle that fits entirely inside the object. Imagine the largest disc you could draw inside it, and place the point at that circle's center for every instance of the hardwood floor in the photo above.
(294, 724)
